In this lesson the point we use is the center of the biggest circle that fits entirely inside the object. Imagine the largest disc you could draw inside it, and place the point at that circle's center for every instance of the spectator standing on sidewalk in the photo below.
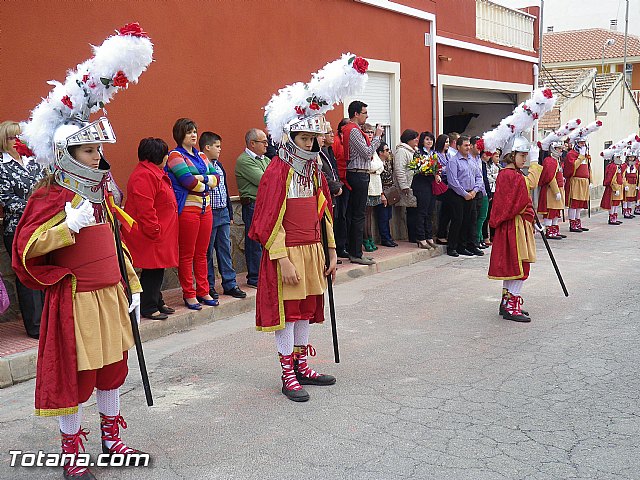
(220, 242)
(18, 175)
(423, 191)
(154, 244)
(403, 154)
(375, 196)
(465, 181)
(384, 211)
(358, 151)
(340, 223)
(443, 207)
(250, 167)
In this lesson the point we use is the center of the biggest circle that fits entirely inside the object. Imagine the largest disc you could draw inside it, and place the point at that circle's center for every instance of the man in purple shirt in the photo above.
(476, 203)
(465, 181)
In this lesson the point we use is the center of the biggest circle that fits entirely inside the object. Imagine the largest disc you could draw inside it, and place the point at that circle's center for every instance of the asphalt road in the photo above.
(433, 384)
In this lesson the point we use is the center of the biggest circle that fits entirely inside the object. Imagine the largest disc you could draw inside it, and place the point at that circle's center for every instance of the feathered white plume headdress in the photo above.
(631, 142)
(584, 131)
(120, 60)
(559, 134)
(522, 118)
(340, 79)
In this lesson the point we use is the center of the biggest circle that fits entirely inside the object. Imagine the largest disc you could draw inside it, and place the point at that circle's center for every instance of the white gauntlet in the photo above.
(80, 217)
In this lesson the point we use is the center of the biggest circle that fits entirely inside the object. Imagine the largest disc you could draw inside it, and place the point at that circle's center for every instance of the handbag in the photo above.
(4, 298)
(438, 188)
(392, 195)
(408, 200)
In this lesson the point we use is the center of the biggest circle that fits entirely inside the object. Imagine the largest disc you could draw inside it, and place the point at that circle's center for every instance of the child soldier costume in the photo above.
(512, 212)
(551, 200)
(65, 245)
(577, 174)
(291, 203)
(613, 188)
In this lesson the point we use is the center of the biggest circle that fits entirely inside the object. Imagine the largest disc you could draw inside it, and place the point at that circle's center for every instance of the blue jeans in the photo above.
(252, 249)
(384, 215)
(221, 243)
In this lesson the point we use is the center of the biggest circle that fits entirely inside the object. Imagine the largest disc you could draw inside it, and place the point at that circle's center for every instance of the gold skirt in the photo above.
(310, 263)
(102, 327)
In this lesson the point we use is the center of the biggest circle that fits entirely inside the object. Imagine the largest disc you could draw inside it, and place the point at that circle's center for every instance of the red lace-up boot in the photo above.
(579, 224)
(551, 233)
(573, 226)
(291, 388)
(506, 294)
(513, 310)
(615, 215)
(305, 374)
(72, 444)
(612, 219)
(110, 427)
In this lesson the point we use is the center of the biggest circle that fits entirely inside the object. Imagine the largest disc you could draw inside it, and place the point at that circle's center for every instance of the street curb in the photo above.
(20, 367)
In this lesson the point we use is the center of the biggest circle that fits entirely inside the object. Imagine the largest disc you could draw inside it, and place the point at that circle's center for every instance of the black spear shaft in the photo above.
(132, 315)
(332, 307)
(553, 260)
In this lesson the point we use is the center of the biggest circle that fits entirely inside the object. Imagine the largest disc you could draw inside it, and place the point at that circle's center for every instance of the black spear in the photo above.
(553, 260)
(332, 307)
(132, 315)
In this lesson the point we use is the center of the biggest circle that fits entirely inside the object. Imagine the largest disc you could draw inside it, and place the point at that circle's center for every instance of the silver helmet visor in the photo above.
(99, 131)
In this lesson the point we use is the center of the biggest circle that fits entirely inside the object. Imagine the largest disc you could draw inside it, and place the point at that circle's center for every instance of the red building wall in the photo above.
(219, 62)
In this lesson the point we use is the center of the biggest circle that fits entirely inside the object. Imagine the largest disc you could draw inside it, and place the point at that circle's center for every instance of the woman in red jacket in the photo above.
(154, 245)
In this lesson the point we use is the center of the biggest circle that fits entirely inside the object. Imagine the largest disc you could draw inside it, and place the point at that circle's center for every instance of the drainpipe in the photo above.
(433, 76)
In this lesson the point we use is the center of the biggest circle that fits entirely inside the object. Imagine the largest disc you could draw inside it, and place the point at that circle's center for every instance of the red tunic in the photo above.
(612, 178)
(510, 200)
(268, 215)
(631, 180)
(580, 171)
(550, 171)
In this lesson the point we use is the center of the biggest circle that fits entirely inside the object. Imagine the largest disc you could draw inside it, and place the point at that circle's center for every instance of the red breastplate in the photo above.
(301, 222)
(92, 259)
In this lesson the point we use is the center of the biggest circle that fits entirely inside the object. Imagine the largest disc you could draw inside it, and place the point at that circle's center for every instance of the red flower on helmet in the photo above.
(599, 123)
(85, 78)
(578, 122)
(120, 79)
(360, 64)
(133, 29)
(67, 101)
(547, 93)
(300, 110)
(480, 144)
(314, 106)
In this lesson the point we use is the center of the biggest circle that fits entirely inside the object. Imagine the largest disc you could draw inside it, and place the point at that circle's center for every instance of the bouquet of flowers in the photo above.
(424, 164)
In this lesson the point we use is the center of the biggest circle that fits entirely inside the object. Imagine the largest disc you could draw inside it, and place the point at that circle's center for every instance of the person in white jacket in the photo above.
(375, 195)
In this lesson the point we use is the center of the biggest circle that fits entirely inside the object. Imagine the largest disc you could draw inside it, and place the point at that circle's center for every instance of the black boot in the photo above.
(304, 374)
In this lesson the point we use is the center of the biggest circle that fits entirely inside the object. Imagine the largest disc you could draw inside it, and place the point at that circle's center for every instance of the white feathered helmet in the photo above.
(301, 107)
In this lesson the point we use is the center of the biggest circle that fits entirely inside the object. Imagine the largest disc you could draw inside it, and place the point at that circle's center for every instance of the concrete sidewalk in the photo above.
(18, 352)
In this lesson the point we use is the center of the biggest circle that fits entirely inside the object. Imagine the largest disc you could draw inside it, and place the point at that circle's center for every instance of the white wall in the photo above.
(616, 125)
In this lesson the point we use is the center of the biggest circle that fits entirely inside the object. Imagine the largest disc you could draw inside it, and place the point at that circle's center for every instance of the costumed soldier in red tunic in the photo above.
(631, 182)
(577, 174)
(551, 200)
(613, 188)
(65, 245)
(514, 248)
(291, 203)
(512, 211)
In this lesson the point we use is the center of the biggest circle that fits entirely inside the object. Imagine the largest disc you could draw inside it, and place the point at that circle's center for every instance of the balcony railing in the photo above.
(636, 96)
(504, 26)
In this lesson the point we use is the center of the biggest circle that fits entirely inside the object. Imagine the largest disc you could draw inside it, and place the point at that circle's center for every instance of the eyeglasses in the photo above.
(369, 132)
(386, 150)
(12, 137)
(264, 142)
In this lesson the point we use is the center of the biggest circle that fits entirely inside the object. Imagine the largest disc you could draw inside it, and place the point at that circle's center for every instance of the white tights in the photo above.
(293, 333)
(513, 286)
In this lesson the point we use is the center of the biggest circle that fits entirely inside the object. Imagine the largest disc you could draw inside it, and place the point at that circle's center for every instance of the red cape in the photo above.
(549, 170)
(267, 218)
(511, 198)
(609, 172)
(56, 376)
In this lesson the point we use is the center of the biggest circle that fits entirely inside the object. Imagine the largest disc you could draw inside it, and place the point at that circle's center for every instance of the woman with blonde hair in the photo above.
(18, 175)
